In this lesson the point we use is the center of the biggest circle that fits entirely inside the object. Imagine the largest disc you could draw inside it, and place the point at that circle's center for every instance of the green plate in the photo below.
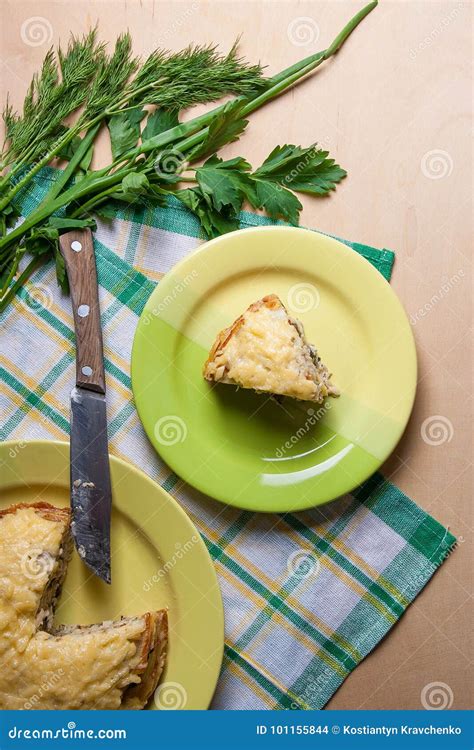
(244, 448)
(158, 560)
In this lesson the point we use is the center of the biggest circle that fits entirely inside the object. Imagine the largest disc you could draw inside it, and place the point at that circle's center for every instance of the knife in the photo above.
(91, 494)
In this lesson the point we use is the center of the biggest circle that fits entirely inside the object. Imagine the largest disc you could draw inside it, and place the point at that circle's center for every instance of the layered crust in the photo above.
(111, 665)
(266, 350)
(152, 661)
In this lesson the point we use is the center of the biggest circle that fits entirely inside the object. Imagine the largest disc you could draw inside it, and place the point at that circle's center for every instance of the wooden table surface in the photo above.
(394, 110)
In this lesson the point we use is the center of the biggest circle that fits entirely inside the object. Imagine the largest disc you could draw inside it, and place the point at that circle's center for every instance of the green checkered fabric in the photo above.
(306, 595)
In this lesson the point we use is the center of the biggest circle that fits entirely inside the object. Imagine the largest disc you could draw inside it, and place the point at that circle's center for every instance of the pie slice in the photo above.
(266, 350)
(111, 665)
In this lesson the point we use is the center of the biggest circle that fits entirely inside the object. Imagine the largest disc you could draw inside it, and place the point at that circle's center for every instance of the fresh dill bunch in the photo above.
(79, 64)
(106, 85)
(111, 79)
(51, 99)
(151, 158)
(20, 130)
(196, 75)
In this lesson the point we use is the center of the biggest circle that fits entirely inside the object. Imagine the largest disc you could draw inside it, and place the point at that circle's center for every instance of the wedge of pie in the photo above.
(112, 665)
(266, 350)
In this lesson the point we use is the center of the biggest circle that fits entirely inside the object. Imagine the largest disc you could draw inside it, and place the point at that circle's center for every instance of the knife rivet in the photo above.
(76, 246)
(86, 370)
(83, 311)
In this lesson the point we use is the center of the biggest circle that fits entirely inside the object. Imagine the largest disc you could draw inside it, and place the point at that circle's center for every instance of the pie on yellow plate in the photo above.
(266, 350)
(111, 665)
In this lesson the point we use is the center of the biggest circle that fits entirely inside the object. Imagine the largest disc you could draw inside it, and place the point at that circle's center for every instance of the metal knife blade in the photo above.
(91, 491)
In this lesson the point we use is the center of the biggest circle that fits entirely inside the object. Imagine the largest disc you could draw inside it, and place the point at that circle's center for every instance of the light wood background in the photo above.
(394, 109)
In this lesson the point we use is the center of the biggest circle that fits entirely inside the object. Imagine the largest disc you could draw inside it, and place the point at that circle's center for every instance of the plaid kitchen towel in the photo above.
(306, 595)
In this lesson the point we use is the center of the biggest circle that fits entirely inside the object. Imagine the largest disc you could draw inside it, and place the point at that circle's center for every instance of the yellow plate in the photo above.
(242, 447)
(158, 560)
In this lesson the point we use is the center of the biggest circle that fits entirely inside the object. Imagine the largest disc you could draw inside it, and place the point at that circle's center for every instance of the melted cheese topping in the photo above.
(80, 670)
(268, 352)
(87, 670)
(29, 546)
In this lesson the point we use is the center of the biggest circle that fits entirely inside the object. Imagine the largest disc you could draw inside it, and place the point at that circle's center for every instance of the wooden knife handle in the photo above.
(77, 250)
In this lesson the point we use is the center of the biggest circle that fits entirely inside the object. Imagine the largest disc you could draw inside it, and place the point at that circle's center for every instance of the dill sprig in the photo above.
(54, 94)
(110, 80)
(194, 76)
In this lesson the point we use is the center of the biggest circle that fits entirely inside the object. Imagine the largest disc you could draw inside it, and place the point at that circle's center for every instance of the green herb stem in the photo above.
(37, 262)
(43, 162)
(281, 82)
(93, 202)
(18, 256)
(76, 159)
(74, 193)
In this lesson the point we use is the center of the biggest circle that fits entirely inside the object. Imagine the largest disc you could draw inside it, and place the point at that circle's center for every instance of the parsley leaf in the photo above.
(42, 240)
(159, 121)
(221, 182)
(226, 127)
(306, 170)
(213, 222)
(61, 273)
(277, 201)
(65, 224)
(224, 185)
(124, 130)
(135, 182)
